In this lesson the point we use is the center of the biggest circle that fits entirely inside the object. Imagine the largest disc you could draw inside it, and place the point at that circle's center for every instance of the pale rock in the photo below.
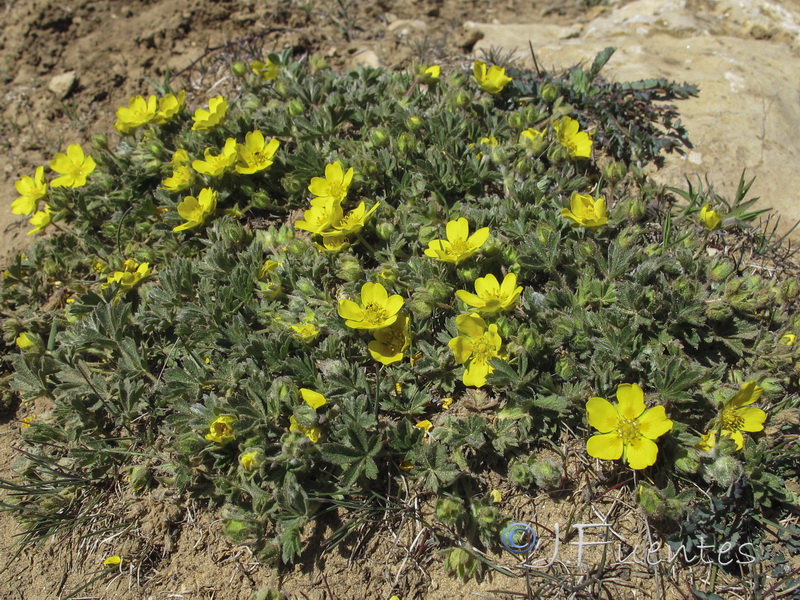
(365, 58)
(404, 27)
(747, 111)
(61, 85)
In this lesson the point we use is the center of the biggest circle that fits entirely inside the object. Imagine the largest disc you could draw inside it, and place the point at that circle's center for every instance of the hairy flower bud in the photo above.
(615, 171)
(350, 269)
(547, 472)
(239, 69)
(548, 92)
(652, 501)
(726, 471)
(295, 107)
(516, 120)
(520, 474)
(379, 138)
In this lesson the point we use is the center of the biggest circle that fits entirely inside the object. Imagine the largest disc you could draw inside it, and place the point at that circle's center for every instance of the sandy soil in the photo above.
(114, 48)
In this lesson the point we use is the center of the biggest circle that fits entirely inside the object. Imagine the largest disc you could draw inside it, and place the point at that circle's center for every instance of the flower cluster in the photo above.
(140, 112)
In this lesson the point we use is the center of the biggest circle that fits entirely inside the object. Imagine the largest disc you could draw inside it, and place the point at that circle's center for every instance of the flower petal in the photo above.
(312, 398)
(606, 446)
(631, 400)
(478, 239)
(654, 423)
(753, 418)
(373, 293)
(476, 372)
(350, 310)
(462, 349)
(641, 453)
(602, 415)
(457, 230)
(749, 393)
(472, 325)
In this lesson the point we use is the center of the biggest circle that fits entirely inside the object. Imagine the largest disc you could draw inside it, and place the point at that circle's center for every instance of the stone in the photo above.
(61, 85)
(747, 111)
(366, 58)
(404, 27)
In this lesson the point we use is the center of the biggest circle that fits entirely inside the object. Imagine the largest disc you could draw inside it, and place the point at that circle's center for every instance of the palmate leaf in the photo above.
(357, 456)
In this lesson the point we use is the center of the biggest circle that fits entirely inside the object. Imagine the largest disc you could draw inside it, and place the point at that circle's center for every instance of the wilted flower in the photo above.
(73, 167)
(578, 143)
(476, 345)
(24, 341)
(491, 80)
(627, 429)
(250, 460)
(221, 430)
(314, 400)
(131, 274)
(788, 339)
(491, 295)
(265, 70)
(31, 190)
(710, 218)
(459, 244)
(586, 211)
(377, 309)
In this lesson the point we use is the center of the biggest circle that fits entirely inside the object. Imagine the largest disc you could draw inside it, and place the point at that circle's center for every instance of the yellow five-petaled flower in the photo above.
(390, 342)
(492, 296)
(377, 309)
(586, 211)
(214, 116)
(73, 167)
(221, 430)
(131, 274)
(31, 190)
(578, 143)
(459, 245)
(476, 345)
(735, 416)
(491, 80)
(710, 218)
(333, 185)
(256, 153)
(197, 210)
(627, 429)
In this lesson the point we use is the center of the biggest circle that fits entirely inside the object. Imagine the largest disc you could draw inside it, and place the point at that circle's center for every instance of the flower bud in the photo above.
(99, 142)
(790, 288)
(233, 232)
(520, 474)
(558, 154)
(516, 121)
(292, 184)
(462, 99)
(318, 63)
(413, 123)
(565, 369)
(280, 87)
(636, 209)
(295, 107)
(379, 138)
(439, 290)
(297, 247)
(350, 269)
(238, 530)
(548, 92)
(547, 472)
(726, 471)
(405, 143)
(499, 156)
(469, 274)
(239, 69)
(421, 306)
(523, 166)
(688, 461)
(385, 230)
(305, 416)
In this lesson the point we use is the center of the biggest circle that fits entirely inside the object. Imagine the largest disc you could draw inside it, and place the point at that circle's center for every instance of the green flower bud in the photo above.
(558, 154)
(449, 510)
(588, 248)
(99, 142)
(726, 471)
(292, 184)
(238, 530)
(421, 306)
(439, 290)
(233, 232)
(280, 87)
(565, 368)
(547, 472)
(379, 138)
(489, 518)
(318, 63)
(306, 286)
(469, 274)
(385, 230)
(260, 200)
(285, 234)
(350, 269)
(790, 288)
(499, 155)
(548, 92)
(413, 123)
(138, 477)
(295, 107)
(297, 247)
(239, 69)
(406, 143)
(50, 266)
(523, 166)
(305, 416)
(387, 275)
(516, 121)
(462, 99)
(520, 474)
(636, 209)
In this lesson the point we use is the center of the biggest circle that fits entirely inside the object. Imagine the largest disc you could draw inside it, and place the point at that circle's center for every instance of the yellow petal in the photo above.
(631, 400)
(457, 230)
(602, 415)
(312, 398)
(606, 446)
(472, 325)
(373, 293)
(654, 423)
(753, 418)
(462, 349)
(641, 453)
(476, 372)
(478, 239)
(350, 310)
(749, 393)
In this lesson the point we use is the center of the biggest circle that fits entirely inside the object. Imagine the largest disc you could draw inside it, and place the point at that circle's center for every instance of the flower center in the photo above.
(628, 430)
(482, 350)
(375, 314)
(336, 190)
(459, 247)
(731, 420)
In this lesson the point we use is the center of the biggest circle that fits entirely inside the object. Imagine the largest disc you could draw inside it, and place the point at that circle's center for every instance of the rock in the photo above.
(747, 110)
(403, 27)
(365, 57)
(61, 85)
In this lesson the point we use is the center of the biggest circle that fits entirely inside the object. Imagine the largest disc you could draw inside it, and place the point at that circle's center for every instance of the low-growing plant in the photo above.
(288, 300)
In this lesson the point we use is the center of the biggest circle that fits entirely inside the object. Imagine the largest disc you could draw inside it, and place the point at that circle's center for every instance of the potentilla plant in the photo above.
(326, 284)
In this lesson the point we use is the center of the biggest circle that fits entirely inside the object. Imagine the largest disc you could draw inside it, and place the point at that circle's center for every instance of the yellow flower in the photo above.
(250, 460)
(169, 106)
(490, 141)
(533, 140)
(314, 399)
(475, 346)
(707, 441)
(496, 496)
(73, 167)
(182, 177)
(197, 210)
(255, 154)
(425, 425)
(429, 75)
(736, 416)
(138, 112)
(313, 433)
(586, 211)
(459, 244)
(24, 342)
(710, 218)
(112, 561)
(40, 220)
(180, 158)
(269, 266)
(788, 339)
(215, 165)
(492, 296)
(319, 218)
(333, 243)
(333, 185)
(215, 115)
(377, 309)
(390, 342)
(406, 465)
(221, 430)
(350, 223)
(446, 403)
(306, 331)
(492, 80)
(265, 70)
(578, 143)
(131, 274)
(31, 190)
(627, 429)
(26, 421)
